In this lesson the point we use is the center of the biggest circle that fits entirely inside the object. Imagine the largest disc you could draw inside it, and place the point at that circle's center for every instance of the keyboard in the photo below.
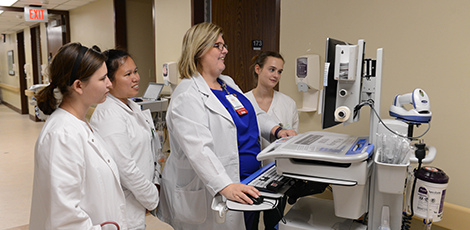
(266, 179)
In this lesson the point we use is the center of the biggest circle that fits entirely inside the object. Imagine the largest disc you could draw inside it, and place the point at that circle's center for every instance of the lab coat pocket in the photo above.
(190, 203)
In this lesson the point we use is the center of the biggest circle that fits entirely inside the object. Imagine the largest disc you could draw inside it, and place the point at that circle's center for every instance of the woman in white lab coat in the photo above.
(131, 137)
(204, 158)
(76, 182)
(267, 69)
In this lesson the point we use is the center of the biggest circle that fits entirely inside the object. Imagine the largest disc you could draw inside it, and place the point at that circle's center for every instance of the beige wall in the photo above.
(424, 46)
(172, 20)
(140, 39)
(13, 98)
(9, 96)
(93, 24)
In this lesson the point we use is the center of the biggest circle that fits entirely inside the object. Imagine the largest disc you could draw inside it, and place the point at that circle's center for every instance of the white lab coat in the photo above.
(203, 159)
(131, 137)
(76, 182)
(282, 109)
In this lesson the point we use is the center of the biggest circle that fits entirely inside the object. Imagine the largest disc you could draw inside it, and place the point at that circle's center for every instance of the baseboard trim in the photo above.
(454, 217)
(34, 118)
(11, 107)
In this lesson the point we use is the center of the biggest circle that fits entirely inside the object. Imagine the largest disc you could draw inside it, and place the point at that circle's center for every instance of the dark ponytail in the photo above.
(46, 100)
(71, 59)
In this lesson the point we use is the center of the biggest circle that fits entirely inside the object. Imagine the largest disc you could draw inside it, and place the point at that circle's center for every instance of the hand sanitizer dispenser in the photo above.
(170, 75)
(307, 77)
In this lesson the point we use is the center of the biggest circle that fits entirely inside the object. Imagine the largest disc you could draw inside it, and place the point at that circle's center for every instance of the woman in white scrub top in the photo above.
(131, 137)
(76, 182)
(267, 69)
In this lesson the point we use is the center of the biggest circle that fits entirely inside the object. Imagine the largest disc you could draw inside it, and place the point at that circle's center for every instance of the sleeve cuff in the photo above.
(218, 183)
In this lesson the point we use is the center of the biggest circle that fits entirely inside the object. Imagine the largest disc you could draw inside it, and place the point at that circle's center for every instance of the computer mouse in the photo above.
(258, 200)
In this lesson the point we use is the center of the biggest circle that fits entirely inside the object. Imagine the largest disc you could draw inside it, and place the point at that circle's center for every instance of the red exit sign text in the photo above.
(34, 14)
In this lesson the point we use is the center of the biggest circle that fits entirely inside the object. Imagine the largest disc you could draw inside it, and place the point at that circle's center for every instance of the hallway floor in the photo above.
(18, 136)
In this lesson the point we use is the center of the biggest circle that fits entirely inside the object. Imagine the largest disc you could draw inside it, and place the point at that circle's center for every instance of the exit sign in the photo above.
(35, 14)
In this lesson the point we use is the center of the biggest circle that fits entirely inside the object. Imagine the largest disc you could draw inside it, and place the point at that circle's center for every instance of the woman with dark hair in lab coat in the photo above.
(131, 136)
(76, 182)
(214, 137)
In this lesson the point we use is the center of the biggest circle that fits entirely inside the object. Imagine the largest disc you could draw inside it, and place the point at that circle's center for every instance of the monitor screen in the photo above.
(153, 91)
(331, 85)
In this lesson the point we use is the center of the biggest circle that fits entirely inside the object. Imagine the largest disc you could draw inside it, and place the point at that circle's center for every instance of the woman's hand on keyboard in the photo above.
(236, 192)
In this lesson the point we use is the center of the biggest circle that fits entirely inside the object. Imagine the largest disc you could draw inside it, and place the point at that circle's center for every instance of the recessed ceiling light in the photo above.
(7, 2)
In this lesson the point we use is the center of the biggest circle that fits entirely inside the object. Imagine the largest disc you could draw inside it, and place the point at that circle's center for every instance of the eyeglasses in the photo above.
(221, 46)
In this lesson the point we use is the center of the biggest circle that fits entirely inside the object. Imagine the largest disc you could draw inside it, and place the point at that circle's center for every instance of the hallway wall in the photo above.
(9, 96)
(140, 40)
(424, 47)
(93, 24)
(13, 97)
(172, 20)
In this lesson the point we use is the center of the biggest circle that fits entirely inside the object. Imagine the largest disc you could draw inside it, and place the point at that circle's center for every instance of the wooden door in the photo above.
(244, 21)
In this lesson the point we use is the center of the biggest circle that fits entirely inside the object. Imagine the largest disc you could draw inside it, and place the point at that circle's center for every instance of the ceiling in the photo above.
(12, 22)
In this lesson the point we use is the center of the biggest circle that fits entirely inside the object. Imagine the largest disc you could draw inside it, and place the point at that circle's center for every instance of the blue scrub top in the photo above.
(247, 131)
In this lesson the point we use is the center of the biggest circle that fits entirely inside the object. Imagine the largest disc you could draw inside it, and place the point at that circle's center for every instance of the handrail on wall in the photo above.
(9, 87)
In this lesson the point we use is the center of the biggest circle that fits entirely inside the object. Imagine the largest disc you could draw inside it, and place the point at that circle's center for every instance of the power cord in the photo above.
(370, 103)
(277, 209)
(420, 154)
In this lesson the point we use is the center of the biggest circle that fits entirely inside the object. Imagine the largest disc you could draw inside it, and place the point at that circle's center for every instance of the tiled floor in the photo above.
(17, 139)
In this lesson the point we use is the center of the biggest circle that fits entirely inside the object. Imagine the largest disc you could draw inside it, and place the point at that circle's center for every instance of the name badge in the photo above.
(236, 104)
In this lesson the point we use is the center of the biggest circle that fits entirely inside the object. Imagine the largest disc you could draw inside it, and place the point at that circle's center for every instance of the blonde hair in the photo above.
(196, 42)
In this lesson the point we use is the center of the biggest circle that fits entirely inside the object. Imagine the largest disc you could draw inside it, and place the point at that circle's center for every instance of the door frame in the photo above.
(22, 74)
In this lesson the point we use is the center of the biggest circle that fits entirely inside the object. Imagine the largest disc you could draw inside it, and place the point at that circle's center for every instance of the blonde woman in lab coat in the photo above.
(76, 182)
(204, 138)
(267, 69)
(131, 137)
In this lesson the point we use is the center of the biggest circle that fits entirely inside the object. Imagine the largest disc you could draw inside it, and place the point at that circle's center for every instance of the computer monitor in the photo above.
(338, 94)
(153, 91)
(330, 85)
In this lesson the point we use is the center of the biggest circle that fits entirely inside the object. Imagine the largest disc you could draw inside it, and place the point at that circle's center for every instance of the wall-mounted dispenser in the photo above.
(170, 75)
(307, 77)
